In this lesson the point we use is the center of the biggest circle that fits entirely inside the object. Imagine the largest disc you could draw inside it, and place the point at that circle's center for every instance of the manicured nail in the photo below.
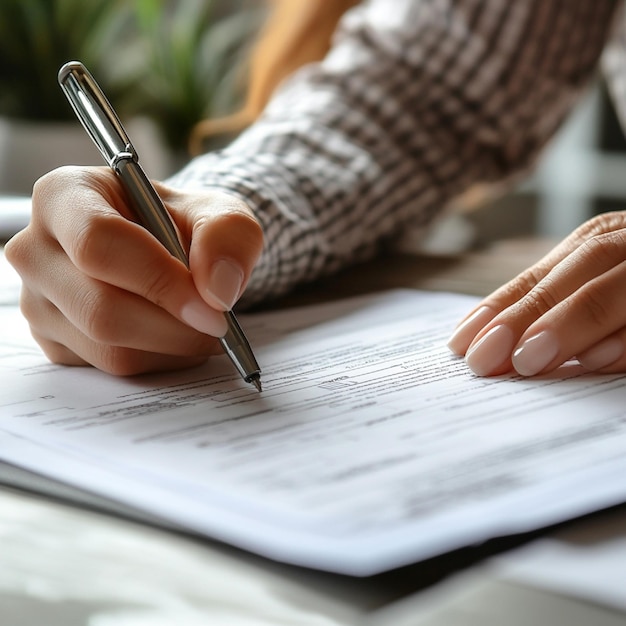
(204, 319)
(464, 334)
(225, 282)
(491, 351)
(536, 353)
(603, 354)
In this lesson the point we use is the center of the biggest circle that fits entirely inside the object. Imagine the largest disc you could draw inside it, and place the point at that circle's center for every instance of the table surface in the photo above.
(476, 272)
(76, 565)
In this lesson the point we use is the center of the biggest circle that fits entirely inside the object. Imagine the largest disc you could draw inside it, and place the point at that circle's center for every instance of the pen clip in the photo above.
(95, 113)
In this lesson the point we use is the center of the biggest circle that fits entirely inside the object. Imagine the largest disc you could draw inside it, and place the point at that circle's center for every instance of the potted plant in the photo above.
(190, 61)
(174, 62)
(38, 130)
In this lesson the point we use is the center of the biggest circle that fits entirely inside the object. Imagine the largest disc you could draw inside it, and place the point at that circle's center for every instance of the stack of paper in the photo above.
(370, 447)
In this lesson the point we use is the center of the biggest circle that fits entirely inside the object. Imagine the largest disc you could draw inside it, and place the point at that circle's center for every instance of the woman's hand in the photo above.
(571, 304)
(99, 289)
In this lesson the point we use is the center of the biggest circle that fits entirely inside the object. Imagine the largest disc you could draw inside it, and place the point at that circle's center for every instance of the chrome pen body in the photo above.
(104, 127)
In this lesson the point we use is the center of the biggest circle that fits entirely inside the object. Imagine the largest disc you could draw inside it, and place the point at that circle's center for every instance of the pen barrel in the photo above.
(148, 206)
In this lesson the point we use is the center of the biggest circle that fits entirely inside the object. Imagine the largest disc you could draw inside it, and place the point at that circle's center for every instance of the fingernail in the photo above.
(603, 354)
(204, 319)
(225, 282)
(464, 334)
(491, 351)
(536, 353)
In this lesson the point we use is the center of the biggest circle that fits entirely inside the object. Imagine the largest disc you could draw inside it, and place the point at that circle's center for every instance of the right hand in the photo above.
(99, 289)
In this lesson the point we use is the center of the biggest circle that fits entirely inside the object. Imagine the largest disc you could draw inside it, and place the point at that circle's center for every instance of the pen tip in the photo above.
(256, 381)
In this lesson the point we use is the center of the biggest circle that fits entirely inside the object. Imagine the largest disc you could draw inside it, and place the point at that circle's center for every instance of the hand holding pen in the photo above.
(99, 289)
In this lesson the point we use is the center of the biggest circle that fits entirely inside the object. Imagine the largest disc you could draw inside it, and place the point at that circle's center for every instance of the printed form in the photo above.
(371, 446)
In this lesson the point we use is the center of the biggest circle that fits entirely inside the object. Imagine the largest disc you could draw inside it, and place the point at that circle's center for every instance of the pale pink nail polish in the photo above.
(602, 354)
(204, 319)
(491, 351)
(536, 353)
(464, 334)
(225, 282)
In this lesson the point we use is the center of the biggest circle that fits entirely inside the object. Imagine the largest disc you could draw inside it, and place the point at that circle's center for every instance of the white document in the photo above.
(371, 446)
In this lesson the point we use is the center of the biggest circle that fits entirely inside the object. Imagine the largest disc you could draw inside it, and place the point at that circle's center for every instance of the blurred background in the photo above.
(164, 65)
(581, 174)
(167, 64)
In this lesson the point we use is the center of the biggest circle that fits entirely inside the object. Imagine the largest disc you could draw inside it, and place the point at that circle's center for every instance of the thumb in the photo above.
(226, 242)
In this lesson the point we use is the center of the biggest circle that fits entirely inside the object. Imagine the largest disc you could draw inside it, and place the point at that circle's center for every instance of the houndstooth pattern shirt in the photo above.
(417, 101)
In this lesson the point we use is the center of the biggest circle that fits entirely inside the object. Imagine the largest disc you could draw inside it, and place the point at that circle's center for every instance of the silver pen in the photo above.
(103, 125)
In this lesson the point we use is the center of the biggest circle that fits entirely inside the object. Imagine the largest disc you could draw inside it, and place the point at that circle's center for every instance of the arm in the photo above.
(416, 102)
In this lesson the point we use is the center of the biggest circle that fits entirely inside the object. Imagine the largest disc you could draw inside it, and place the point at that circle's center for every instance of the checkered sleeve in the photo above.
(416, 101)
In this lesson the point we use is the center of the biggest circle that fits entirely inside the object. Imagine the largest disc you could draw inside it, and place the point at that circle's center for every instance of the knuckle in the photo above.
(96, 316)
(592, 250)
(25, 250)
(158, 287)
(601, 224)
(16, 250)
(57, 180)
(592, 300)
(48, 181)
(540, 299)
(520, 287)
(90, 248)
(605, 248)
(526, 282)
(31, 307)
(592, 227)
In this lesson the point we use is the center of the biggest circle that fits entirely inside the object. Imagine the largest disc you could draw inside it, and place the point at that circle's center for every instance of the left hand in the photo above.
(571, 304)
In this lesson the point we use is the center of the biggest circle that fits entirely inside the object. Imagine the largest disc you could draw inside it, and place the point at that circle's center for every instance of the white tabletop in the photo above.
(64, 565)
